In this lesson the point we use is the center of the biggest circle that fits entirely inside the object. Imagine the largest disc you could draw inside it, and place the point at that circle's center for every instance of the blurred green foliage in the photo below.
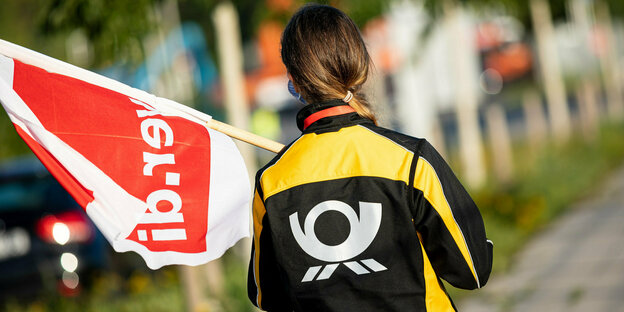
(113, 26)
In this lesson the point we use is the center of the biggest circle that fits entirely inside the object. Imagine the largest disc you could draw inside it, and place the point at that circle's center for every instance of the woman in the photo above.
(352, 216)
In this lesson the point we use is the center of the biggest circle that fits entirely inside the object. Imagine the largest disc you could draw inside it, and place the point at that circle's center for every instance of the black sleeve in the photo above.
(449, 223)
(264, 287)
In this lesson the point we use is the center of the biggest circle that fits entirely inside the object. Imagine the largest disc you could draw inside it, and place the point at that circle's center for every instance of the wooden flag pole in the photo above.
(53, 65)
(245, 136)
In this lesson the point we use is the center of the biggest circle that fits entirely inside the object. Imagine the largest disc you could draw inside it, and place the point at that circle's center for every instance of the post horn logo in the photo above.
(363, 232)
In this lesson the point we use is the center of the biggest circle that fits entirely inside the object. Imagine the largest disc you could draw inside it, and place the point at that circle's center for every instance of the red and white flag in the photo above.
(148, 172)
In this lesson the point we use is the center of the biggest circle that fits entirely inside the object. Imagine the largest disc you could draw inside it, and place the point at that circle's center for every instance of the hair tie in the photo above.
(348, 97)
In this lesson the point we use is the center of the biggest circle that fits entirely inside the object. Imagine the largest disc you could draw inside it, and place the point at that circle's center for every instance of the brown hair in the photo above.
(325, 56)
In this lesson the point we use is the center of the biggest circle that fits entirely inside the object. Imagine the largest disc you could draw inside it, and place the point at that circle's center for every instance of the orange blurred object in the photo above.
(280, 5)
(510, 61)
(270, 59)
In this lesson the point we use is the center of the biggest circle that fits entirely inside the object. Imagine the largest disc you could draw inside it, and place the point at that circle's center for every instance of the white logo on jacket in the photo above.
(362, 234)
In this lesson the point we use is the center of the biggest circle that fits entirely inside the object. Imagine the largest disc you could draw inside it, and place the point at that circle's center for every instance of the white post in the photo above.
(466, 97)
(534, 120)
(230, 52)
(558, 110)
(586, 91)
(588, 112)
(438, 140)
(416, 111)
(192, 288)
(610, 64)
(500, 143)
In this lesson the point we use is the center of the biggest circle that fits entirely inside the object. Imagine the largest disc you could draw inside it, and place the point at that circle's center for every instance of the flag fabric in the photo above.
(148, 171)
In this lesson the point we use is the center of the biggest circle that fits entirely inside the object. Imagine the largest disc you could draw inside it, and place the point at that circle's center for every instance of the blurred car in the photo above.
(47, 242)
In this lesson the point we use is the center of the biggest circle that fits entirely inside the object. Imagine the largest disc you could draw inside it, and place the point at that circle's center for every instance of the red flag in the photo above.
(149, 173)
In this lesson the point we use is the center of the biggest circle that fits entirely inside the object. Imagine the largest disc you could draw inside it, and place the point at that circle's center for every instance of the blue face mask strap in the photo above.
(291, 89)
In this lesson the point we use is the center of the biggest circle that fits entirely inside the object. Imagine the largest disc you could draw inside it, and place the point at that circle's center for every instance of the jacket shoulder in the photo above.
(410, 143)
(274, 160)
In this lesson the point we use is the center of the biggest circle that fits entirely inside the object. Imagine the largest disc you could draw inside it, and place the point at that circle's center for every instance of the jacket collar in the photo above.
(330, 123)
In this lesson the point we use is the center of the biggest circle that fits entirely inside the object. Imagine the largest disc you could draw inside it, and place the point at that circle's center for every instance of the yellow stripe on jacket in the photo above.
(358, 152)
(428, 182)
(435, 297)
(258, 214)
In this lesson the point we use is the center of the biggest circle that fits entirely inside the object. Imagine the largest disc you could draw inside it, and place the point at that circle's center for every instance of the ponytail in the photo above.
(363, 108)
(326, 57)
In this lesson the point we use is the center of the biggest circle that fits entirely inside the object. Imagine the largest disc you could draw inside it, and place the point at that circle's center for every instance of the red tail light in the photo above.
(63, 228)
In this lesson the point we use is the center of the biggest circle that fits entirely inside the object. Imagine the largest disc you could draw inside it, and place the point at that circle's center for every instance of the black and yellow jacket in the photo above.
(354, 217)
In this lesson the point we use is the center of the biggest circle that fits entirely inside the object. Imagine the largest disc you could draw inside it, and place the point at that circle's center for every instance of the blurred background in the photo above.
(523, 98)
